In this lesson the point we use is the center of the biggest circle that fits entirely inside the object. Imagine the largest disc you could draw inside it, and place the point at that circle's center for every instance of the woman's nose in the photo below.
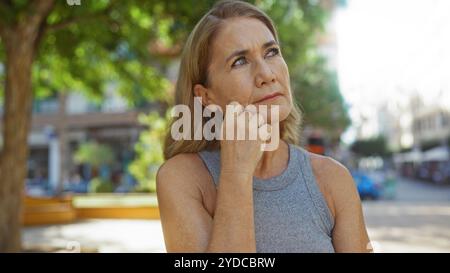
(264, 74)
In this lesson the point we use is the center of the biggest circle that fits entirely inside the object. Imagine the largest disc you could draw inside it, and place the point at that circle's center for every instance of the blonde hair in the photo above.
(194, 70)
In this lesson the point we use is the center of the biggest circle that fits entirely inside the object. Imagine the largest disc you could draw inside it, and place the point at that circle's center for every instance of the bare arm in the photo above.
(185, 221)
(188, 226)
(349, 233)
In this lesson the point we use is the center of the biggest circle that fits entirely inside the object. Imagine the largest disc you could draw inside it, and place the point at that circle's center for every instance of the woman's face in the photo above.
(246, 66)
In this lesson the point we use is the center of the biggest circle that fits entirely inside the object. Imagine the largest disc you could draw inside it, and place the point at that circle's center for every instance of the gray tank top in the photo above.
(290, 212)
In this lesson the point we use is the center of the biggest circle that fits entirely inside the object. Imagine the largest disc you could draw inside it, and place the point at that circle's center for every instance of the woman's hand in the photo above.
(187, 224)
(241, 154)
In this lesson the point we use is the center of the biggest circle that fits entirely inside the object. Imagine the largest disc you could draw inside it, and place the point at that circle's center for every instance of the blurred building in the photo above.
(431, 125)
(411, 122)
(429, 155)
(395, 123)
(61, 123)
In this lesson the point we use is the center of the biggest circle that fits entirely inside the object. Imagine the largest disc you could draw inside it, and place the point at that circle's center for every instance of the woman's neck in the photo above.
(273, 163)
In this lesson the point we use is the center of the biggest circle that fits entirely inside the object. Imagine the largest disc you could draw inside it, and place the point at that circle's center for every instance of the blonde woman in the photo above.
(230, 195)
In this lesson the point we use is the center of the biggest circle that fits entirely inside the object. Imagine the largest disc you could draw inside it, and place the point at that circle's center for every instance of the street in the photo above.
(418, 220)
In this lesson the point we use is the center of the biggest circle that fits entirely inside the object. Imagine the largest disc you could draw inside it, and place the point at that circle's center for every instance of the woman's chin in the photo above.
(276, 116)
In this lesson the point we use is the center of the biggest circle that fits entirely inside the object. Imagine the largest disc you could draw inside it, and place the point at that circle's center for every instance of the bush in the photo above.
(149, 151)
(94, 154)
(99, 185)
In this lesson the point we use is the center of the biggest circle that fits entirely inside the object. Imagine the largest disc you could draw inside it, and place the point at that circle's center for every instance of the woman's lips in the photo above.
(268, 97)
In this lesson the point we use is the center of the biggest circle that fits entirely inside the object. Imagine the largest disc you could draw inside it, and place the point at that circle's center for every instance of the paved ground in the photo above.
(97, 235)
(418, 220)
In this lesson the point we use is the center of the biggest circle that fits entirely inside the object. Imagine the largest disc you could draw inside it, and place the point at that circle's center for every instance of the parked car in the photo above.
(367, 186)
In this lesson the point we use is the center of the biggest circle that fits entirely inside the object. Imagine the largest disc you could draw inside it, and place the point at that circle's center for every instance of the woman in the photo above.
(229, 195)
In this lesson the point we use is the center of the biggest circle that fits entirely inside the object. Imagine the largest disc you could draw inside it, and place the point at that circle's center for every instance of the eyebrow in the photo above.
(245, 51)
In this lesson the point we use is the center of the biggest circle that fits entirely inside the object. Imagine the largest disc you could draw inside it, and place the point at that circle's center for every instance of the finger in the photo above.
(257, 119)
(263, 114)
(261, 120)
(239, 108)
(212, 107)
(264, 132)
(236, 107)
(252, 120)
(251, 108)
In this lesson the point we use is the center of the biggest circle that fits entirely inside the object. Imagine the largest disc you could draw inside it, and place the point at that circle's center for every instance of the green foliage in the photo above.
(149, 151)
(370, 147)
(87, 47)
(100, 185)
(94, 154)
(319, 96)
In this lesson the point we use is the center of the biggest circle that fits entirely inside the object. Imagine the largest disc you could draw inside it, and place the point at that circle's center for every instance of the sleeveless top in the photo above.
(290, 212)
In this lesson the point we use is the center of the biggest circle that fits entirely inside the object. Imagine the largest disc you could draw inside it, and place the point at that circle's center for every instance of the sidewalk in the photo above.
(97, 236)
(408, 226)
(418, 220)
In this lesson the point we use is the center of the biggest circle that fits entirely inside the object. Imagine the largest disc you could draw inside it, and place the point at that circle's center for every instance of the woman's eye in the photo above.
(272, 52)
(239, 61)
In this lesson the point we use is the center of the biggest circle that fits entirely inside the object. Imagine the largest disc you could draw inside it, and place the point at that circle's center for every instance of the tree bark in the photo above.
(16, 120)
(21, 41)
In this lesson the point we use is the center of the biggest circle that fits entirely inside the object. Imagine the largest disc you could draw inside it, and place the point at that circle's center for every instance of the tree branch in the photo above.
(73, 20)
(28, 29)
(39, 10)
(5, 7)
(5, 15)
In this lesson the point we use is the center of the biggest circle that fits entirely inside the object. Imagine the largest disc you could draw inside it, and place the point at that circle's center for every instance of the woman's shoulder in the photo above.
(326, 166)
(184, 166)
(185, 176)
(185, 172)
(323, 165)
(334, 180)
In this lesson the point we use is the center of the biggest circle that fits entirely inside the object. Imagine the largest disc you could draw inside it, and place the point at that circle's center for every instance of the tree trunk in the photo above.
(21, 42)
(16, 121)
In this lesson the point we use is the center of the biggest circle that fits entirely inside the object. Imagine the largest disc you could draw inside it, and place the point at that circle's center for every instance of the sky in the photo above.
(391, 49)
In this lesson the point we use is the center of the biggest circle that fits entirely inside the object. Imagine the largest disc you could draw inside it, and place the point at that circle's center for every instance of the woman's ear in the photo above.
(203, 92)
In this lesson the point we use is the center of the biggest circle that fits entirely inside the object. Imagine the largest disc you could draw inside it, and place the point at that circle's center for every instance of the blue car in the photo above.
(367, 188)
